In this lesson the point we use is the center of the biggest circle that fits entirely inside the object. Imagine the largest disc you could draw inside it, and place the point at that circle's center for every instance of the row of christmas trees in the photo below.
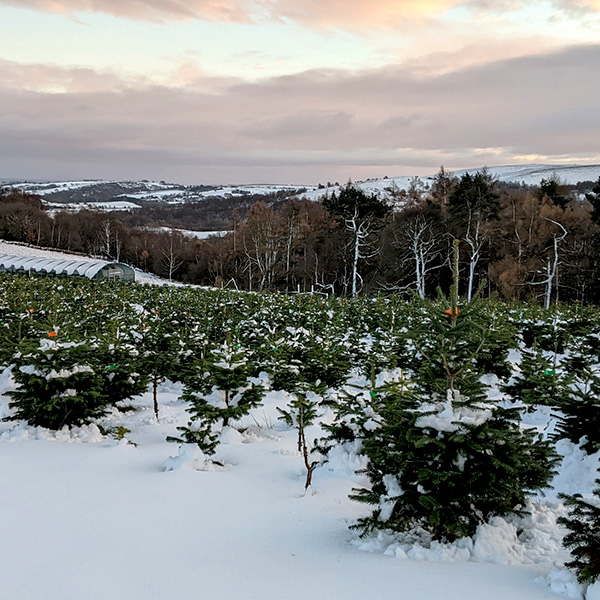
(441, 455)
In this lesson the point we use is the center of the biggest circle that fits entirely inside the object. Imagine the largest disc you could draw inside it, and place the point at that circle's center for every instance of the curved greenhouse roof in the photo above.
(96, 269)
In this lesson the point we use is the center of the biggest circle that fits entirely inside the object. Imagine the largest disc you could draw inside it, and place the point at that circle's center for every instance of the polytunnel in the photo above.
(68, 267)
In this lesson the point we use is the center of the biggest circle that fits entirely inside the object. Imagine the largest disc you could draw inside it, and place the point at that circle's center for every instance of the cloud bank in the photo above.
(314, 13)
(150, 10)
(308, 127)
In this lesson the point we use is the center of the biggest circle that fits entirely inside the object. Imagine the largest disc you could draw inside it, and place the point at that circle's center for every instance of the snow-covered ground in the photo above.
(87, 516)
(117, 205)
(199, 235)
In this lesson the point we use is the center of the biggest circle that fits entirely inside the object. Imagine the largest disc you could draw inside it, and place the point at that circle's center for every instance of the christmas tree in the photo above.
(441, 456)
(219, 393)
(583, 539)
(579, 417)
(57, 383)
(299, 414)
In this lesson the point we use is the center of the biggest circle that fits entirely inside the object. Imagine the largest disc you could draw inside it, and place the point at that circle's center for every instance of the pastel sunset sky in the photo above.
(294, 91)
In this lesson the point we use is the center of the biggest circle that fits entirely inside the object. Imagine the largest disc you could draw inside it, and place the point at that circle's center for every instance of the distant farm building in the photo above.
(53, 267)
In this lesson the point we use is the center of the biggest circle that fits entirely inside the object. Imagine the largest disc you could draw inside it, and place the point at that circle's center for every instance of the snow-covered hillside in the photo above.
(117, 205)
(533, 174)
(123, 195)
(111, 195)
(527, 174)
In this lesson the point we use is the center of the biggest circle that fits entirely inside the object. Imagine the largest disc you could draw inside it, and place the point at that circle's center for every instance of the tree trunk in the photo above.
(155, 395)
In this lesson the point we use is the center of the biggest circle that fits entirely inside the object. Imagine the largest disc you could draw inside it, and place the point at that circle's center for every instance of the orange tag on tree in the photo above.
(452, 312)
(52, 334)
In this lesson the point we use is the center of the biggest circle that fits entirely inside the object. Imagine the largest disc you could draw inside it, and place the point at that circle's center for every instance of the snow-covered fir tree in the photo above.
(583, 539)
(220, 392)
(441, 455)
(58, 383)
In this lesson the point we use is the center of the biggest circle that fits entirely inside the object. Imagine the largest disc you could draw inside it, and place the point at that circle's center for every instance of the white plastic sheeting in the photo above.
(71, 267)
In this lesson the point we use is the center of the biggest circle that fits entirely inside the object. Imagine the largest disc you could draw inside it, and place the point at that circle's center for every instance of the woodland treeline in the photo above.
(522, 242)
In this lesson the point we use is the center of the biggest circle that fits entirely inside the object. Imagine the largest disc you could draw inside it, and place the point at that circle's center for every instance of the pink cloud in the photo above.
(151, 10)
(358, 13)
(578, 6)
(55, 79)
(333, 13)
(353, 14)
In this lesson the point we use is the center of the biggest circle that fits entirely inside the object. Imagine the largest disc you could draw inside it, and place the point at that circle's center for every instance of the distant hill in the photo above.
(527, 174)
(533, 174)
(124, 195)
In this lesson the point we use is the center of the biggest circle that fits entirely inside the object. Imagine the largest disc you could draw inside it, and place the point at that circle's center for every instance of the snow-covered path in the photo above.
(87, 521)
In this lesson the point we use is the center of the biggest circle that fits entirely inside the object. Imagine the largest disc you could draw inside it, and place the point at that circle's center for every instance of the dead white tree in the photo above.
(475, 239)
(171, 252)
(361, 229)
(420, 244)
(361, 213)
(552, 262)
(106, 237)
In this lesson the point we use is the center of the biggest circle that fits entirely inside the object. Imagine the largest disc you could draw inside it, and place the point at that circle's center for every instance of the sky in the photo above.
(294, 91)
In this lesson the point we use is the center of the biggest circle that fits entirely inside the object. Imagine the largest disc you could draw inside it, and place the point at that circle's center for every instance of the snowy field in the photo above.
(116, 206)
(199, 235)
(87, 516)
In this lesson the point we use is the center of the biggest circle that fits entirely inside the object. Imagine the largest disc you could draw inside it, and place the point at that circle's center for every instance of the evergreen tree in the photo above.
(448, 467)
(541, 380)
(221, 392)
(119, 361)
(593, 198)
(583, 539)
(473, 204)
(160, 349)
(442, 456)
(299, 414)
(57, 383)
(550, 188)
(579, 415)
(475, 194)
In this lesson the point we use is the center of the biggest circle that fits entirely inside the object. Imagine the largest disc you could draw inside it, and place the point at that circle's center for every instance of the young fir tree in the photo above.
(357, 410)
(159, 345)
(541, 381)
(579, 417)
(293, 369)
(442, 456)
(119, 366)
(583, 539)
(300, 414)
(221, 392)
(57, 383)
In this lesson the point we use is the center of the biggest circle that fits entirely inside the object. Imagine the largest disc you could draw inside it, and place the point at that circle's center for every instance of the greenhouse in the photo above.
(36, 265)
